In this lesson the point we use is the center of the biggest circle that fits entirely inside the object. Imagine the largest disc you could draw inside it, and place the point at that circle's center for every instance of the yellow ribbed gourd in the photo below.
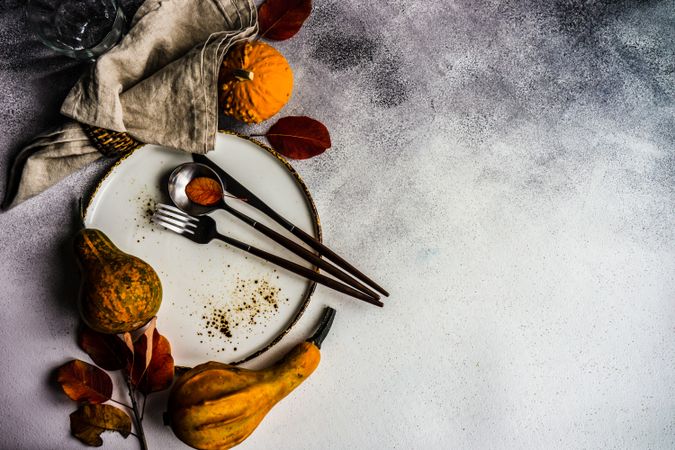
(217, 406)
(255, 82)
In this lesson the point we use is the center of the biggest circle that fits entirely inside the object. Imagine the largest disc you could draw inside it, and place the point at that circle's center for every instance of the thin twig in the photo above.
(139, 423)
(145, 400)
(121, 403)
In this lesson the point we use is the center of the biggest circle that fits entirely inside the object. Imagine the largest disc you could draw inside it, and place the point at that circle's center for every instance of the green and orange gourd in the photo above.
(119, 292)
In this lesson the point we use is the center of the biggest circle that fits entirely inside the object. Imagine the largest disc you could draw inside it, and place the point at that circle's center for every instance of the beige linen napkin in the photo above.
(159, 84)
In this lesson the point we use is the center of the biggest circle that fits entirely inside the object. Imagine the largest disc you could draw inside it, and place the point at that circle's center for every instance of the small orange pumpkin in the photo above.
(255, 82)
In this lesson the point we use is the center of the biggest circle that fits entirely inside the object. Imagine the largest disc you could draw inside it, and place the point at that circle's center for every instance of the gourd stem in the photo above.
(180, 370)
(324, 327)
(81, 211)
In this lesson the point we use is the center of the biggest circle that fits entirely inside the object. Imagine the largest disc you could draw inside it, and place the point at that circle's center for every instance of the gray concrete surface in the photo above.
(506, 168)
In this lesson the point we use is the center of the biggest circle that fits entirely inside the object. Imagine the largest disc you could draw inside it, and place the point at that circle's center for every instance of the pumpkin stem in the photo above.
(243, 75)
(324, 327)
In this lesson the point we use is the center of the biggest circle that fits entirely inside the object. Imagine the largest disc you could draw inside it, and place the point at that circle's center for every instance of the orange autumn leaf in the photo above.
(141, 353)
(204, 191)
(151, 368)
(89, 421)
(84, 382)
(282, 19)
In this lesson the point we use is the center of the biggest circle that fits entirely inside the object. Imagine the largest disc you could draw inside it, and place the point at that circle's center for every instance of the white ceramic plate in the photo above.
(219, 303)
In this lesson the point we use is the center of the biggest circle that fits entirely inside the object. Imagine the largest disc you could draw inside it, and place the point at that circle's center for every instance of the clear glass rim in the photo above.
(109, 40)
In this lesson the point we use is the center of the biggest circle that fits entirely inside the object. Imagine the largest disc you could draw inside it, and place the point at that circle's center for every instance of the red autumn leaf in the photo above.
(148, 333)
(142, 353)
(151, 369)
(106, 350)
(299, 137)
(137, 368)
(282, 19)
(89, 421)
(160, 371)
(84, 382)
(128, 342)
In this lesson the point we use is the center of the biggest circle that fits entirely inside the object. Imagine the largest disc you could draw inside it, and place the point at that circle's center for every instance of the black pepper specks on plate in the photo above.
(251, 302)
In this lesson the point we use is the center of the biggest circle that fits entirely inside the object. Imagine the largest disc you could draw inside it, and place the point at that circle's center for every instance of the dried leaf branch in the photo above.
(147, 367)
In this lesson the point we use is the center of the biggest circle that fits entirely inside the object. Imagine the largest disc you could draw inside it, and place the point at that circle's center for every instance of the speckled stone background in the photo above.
(506, 168)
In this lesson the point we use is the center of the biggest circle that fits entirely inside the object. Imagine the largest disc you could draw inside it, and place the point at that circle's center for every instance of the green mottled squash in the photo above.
(119, 292)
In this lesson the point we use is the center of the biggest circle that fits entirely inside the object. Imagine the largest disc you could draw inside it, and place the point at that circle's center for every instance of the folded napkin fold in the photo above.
(159, 85)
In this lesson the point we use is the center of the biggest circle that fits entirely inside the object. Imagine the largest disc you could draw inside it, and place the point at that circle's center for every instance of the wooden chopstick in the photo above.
(300, 270)
(239, 190)
(332, 256)
(300, 251)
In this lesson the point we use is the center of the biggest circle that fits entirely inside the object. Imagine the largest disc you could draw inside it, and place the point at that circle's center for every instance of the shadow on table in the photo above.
(65, 285)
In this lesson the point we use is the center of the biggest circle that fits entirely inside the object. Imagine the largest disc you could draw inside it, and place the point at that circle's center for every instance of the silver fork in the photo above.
(202, 230)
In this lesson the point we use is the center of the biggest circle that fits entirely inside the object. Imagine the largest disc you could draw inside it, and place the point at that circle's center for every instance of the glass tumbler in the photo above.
(81, 29)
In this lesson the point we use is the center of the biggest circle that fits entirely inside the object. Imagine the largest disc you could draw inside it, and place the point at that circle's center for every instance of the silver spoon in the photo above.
(185, 173)
(179, 180)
